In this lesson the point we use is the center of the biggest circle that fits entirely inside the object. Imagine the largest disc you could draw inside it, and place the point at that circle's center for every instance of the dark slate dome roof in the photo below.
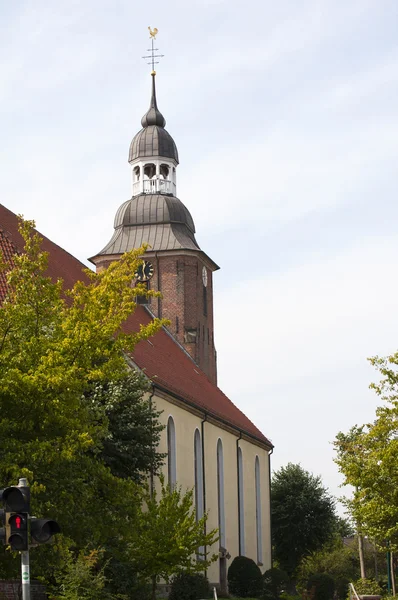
(153, 139)
(147, 209)
(161, 221)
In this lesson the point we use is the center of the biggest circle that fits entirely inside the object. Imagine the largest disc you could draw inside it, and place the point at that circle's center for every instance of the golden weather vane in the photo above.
(153, 32)
(152, 36)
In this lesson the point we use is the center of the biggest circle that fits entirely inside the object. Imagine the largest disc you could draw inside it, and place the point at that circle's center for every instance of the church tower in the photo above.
(174, 264)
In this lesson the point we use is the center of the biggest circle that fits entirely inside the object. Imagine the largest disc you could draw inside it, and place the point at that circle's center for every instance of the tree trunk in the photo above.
(361, 556)
(154, 588)
(392, 572)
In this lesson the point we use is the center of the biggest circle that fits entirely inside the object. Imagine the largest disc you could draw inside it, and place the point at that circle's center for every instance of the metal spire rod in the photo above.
(152, 50)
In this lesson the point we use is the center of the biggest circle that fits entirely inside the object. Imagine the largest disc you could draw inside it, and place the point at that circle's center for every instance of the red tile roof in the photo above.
(161, 358)
(7, 252)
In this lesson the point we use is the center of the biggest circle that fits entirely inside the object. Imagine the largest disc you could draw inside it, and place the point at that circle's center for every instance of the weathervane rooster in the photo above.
(153, 32)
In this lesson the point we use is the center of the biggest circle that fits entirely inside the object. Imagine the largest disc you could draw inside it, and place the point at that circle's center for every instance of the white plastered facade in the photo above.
(186, 421)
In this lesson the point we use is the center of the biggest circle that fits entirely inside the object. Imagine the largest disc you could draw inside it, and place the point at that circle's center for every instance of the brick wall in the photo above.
(179, 279)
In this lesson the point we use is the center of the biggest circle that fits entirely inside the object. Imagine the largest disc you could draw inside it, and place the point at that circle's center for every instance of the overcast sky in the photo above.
(285, 115)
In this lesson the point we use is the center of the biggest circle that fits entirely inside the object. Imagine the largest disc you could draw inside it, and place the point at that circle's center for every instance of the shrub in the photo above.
(244, 578)
(342, 590)
(189, 586)
(84, 578)
(320, 586)
(274, 583)
(367, 587)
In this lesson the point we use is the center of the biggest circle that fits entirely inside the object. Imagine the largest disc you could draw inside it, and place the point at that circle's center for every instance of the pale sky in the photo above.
(285, 115)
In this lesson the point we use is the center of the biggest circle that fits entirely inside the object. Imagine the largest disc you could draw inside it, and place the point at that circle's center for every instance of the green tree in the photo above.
(344, 527)
(303, 516)
(129, 447)
(366, 456)
(167, 537)
(71, 412)
(56, 347)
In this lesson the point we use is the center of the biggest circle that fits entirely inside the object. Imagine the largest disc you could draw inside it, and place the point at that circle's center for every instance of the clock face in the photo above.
(204, 276)
(144, 271)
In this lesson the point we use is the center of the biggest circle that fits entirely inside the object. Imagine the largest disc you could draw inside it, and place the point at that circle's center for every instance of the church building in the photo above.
(211, 445)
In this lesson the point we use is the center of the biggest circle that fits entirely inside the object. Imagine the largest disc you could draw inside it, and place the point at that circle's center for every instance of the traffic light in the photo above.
(16, 502)
(16, 498)
(18, 537)
(18, 523)
(42, 530)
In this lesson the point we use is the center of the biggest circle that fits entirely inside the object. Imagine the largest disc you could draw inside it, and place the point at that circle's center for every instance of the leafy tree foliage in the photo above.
(129, 446)
(167, 536)
(368, 587)
(84, 579)
(58, 350)
(366, 456)
(336, 559)
(302, 513)
(73, 421)
(344, 527)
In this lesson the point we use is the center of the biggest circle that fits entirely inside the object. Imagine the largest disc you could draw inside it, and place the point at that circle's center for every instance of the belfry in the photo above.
(174, 263)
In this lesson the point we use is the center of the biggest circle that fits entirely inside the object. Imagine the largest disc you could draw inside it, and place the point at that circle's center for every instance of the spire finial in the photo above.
(153, 116)
(152, 36)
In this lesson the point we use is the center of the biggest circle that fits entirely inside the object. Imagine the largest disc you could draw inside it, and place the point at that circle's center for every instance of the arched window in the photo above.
(199, 504)
(136, 173)
(258, 512)
(149, 170)
(171, 453)
(164, 171)
(220, 489)
(241, 505)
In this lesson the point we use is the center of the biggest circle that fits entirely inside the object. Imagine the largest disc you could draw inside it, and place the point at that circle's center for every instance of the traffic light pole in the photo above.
(25, 575)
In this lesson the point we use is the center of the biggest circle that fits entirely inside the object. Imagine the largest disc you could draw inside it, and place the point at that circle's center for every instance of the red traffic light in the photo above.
(18, 531)
(17, 521)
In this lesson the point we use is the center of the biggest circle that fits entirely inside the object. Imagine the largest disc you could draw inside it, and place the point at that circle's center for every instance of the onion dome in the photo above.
(163, 222)
(153, 140)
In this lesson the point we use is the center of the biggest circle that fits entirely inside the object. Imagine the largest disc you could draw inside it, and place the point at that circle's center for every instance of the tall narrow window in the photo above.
(220, 489)
(241, 505)
(171, 453)
(205, 301)
(198, 475)
(258, 512)
(199, 485)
